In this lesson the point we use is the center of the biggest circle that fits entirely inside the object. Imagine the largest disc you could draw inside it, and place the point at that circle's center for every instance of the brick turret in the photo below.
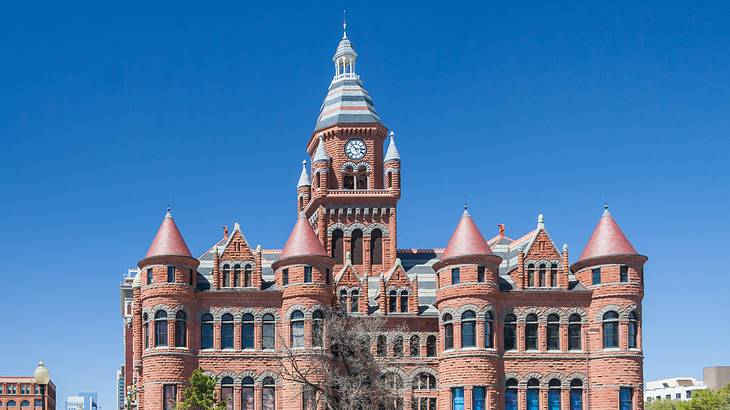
(391, 167)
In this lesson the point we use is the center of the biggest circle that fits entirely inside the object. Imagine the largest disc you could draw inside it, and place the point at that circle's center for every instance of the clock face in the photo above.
(355, 148)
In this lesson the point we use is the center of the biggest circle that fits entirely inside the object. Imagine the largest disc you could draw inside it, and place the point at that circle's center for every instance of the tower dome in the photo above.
(168, 241)
(466, 243)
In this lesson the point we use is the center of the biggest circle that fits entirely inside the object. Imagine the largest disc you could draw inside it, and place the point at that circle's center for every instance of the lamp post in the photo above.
(42, 377)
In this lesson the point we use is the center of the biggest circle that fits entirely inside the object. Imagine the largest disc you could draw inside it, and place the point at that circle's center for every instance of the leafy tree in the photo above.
(661, 405)
(200, 393)
(708, 400)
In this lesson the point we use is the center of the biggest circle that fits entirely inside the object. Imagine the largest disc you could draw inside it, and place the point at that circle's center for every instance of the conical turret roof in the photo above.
(466, 240)
(392, 152)
(320, 154)
(302, 241)
(168, 241)
(607, 240)
(304, 176)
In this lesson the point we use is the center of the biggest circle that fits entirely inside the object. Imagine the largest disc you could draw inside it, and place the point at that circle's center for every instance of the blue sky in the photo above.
(109, 112)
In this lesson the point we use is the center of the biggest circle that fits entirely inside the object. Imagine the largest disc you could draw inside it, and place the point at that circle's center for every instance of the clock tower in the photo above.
(355, 186)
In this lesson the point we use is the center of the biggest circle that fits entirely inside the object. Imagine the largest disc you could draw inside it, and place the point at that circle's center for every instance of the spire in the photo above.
(169, 240)
(466, 239)
(392, 153)
(540, 222)
(302, 241)
(320, 154)
(607, 239)
(304, 176)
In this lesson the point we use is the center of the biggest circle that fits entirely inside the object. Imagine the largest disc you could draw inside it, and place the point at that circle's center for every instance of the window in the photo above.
(181, 332)
(376, 247)
(145, 332)
(576, 394)
(337, 245)
(285, 276)
(489, 330)
(327, 276)
(381, 345)
(191, 277)
(38, 403)
(247, 393)
(688, 394)
(554, 275)
(361, 178)
(448, 332)
(533, 394)
(226, 276)
(415, 345)
(206, 331)
(574, 332)
(169, 396)
(307, 274)
(542, 275)
(170, 274)
(596, 276)
(227, 331)
(510, 332)
(480, 274)
(554, 394)
(424, 381)
(269, 394)
(455, 276)
(24, 404)
(625, 397)
(160, 328)
(11, 403)
(267, 341)
(553, 332)
(431, 346)
(457, 398)
(343, 300)
(356, 244)
(354, 300)
(624, 273)
(247, 331)
(633, 330)
(392, 301)
(510, 395)
(317, 328)
(296, 338)
(150, 278)
(531, 275)
(610, 330)
(227, 392)
(236, 275)
(468, 329)
(478, 398)
(404, 301)
(531, 332)
(309, 399)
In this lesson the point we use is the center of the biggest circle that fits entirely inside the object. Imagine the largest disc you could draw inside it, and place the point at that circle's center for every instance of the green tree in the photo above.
(661, 405)
(200, 393)
(708, 400)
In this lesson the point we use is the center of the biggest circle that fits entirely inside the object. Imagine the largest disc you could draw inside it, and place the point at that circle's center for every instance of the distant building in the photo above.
(22, 392)
(74, 403)
(716, 376)
(125, 308)
(120, 388)
(675, 388)
(90, 400)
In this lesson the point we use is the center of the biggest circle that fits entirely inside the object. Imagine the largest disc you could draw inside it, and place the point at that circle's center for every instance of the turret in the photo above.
(304, 189)
(391, 166)
(320, 168)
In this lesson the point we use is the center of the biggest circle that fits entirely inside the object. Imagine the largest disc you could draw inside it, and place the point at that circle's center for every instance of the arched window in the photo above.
(633, 330)
(206, 331)
(510, 394)
(348, 178)
(489, 330)
(268, 335)
(610, 329)
(576, 394)
(236, 275)
(376, 247)
(510, 332)
(553, 332)
(381, 345)
(531, 275)
(317, 328)
(227, 392)
(146, 330)
(226, 276)
(398, 346)
(354, 300)
(554, 275)
(392, 301)
(424, 381)
(160, 328)
(247, 272)
(554, 394)
(247, 393)
(247, 336)
(533, 394)
(542, 275)
(343, 300)
(415, 345)
(404, 301)
(227, 331)
(431, 346)
(301, 202)
(361, 178)
(337, 245)
(531, 332)
(468, 329)
(268, 395)
(574, 332)
(25, 403)
(448, 332)
(393, 380)
(11, 403)
(181, 331)
(390, 179)
(297, 329)
(356, 244)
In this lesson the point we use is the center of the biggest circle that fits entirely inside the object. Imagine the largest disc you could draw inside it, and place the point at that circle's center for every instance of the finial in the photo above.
(565, 247)
(392, 134)
(304, 163)
(540, 222)
(344, 24)
(605, 205)
(225, 232)
(501, 230)
(168, 214)
(258, 248)
(466, 208)
(236, 226)
(348, 258)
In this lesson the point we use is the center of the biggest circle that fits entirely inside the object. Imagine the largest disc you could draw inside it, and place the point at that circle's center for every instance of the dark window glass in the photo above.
(354, 300)
(510, 332)
(268, 395)
(624, 273)
(633, 330)
(337, 245)
(297, 329)
(404, 301)
(554, 397)
(247, 332)
(448, 332)
(574, 332)
(625, 396)
(542, 275)
(531, 332)
(236, 275)
(376, 247)
(576, 394)
(180, 329)
(226, 276)
(227, 331)
(455, 276)
(356, 244)
(431, 346)
(150, 277)
(206, 331)
(381, 345)
(478, 398)
(247, 394)
(510, 395)
(415, 346)
(268, 331)
(227, 392)
(343, 300)
(553, 332)
(398, 346)
(160, 328)
(596, 276)
(191, 277)
(489, 330)
(307, 274)
(480, 274)
(145, 331)
(169, 396)
(610, 329)
(392, 301)
(317, 328)
(533, 394)
(530, 275)
(170, 274)
(468, 329)
(554, 275)
(285, 276)
(457, 398)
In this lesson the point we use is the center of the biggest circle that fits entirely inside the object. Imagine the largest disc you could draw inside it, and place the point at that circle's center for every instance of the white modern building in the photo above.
(75, 403)
(675, 388)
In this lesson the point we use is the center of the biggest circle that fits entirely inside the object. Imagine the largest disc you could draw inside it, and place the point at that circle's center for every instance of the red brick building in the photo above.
(492, 324)
(22, 393)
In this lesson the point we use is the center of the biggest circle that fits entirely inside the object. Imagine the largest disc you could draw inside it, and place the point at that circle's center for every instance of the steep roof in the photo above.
(466, 240)
(607, 239)
(302, 241)
(169, 240)
(392, 153)
(320, 154)
(304, 176)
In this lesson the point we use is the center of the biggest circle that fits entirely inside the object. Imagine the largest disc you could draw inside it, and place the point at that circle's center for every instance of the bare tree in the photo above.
(341, 372)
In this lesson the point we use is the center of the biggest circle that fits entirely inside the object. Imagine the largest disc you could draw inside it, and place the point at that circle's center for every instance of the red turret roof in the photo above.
(466, 240)
(169, 240)
(302, 241)
(607, 240)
